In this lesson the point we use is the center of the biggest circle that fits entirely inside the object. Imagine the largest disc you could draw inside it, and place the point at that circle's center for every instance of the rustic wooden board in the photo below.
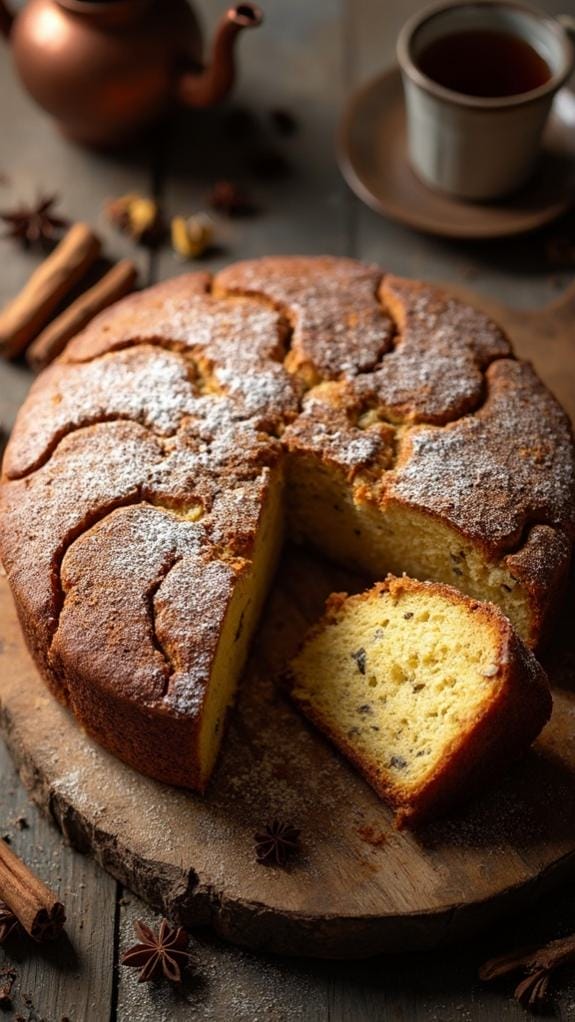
(193, 856)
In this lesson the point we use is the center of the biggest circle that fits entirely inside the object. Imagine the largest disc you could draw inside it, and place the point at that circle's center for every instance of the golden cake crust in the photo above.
(176, 411)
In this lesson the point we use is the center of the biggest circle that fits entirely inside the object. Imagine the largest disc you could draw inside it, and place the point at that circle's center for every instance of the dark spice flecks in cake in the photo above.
(360, 658)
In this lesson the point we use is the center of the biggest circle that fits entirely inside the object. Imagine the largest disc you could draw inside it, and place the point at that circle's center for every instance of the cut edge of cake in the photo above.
(461, 733)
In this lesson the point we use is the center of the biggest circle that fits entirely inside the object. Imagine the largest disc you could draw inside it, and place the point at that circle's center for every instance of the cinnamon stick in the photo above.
(23, 317)
(53, 339)
(34, 905)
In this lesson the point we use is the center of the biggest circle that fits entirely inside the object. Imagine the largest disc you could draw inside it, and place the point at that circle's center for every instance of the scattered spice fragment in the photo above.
(137, 216)
(537, 965)
(7, 980)
(228, 198)
(191, 237)
(21, 822)
(359, 657)
(160, 955)
(284, 122)
(372, 836)
(276, 843)
(408, 615)
(9, 924)
(35, 225)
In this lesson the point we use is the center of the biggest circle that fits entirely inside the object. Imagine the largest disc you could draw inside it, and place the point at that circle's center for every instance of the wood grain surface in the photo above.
(306, 60)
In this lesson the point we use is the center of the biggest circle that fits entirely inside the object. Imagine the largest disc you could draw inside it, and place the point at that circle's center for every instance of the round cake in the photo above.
(155, 469)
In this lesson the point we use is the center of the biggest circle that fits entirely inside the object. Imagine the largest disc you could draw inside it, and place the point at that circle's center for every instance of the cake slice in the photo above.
(425, 690)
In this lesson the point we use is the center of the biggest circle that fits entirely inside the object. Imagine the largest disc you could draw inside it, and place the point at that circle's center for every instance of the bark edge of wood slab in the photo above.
(358, 887)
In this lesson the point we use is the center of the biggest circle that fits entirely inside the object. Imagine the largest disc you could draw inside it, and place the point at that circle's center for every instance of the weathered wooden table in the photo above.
(306, 59)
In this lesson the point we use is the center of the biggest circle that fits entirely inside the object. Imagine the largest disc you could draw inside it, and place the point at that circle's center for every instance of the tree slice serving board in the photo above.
(359, 886)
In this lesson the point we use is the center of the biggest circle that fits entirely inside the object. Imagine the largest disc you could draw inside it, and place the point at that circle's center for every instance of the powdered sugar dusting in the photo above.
(179, 404)
(435, 373)
(339, 327)
(143, 384)
(491, 472)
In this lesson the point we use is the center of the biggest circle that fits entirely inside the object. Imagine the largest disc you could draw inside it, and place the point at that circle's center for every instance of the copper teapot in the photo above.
(105, 68)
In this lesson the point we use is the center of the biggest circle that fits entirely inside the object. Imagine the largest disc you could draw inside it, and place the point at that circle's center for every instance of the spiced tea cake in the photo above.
(155, 467)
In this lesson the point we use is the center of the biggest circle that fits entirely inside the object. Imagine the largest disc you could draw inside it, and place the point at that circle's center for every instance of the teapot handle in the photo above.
(6, 19)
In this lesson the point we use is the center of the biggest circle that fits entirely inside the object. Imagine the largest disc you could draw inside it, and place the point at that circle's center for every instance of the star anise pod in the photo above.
(158, 955)
(537, 965)
(35, 225)
(8, 923)
(276, 843)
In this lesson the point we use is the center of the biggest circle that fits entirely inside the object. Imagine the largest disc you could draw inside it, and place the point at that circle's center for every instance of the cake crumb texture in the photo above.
(424, 689)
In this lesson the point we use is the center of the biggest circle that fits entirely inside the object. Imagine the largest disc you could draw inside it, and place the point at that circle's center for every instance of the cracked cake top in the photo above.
(179, 405)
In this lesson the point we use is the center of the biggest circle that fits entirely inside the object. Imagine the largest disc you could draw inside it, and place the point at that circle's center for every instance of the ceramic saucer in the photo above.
(373, 159)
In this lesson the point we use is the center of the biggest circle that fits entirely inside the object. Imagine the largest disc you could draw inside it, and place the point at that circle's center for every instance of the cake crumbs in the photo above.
(372, 835)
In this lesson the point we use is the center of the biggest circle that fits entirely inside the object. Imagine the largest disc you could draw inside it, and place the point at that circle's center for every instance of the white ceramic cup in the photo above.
(469, 146)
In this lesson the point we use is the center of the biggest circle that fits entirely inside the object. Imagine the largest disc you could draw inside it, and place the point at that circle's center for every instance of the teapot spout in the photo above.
(210, 85)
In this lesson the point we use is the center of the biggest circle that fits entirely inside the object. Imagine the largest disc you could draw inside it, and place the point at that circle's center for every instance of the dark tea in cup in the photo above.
(479, 78)
(484, 63)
